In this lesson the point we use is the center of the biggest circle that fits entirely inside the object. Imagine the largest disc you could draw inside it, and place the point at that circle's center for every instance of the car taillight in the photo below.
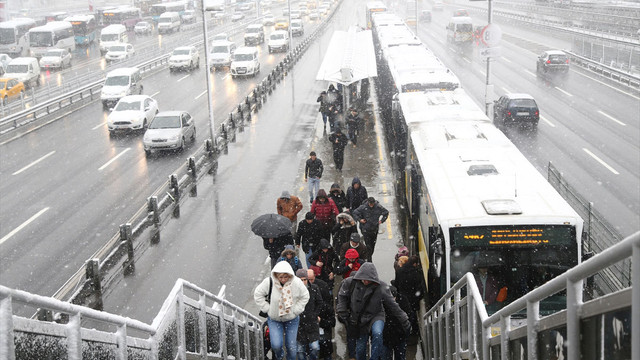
(508, 113)
(548, 61)
(567, 61)
(537, 113)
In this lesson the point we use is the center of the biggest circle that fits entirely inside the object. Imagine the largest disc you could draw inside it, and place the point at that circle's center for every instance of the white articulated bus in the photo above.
(14, 39)
(53, 35)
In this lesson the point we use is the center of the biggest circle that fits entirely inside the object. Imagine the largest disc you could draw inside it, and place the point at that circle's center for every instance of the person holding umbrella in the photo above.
(275, 231)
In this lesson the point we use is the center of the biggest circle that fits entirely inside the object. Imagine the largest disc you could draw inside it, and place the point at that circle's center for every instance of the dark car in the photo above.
(553, 62)
(516, 109)
(425, 16)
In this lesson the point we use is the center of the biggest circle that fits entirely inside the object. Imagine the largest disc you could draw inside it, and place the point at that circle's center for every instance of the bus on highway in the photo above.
(374, 7)
(13, 36)
(84, 29)
(159, 9)
(125, 15)
(53, 35)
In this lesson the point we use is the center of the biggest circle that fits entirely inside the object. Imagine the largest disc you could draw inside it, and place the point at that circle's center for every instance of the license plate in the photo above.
(522, 114)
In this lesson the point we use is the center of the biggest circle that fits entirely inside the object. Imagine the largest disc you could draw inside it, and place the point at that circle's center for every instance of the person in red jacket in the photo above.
(325, 211)
(352, 262)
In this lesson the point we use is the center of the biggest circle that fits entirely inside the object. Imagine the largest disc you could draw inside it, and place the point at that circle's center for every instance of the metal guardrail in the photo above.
(117, 257)
(603, 328)
(186, 324)
(622, 77)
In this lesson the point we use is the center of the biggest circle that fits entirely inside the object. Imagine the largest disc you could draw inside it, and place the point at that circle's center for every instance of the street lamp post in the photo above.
(212, 129)
(488, 94)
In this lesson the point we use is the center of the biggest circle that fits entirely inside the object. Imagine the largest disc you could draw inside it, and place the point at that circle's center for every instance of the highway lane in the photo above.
(589, 128)
(94, 183)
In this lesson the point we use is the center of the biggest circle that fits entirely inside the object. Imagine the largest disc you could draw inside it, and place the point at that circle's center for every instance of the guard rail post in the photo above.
(92, 273)
(247, 102)
(240, 113)
(128, 266)
(193, 174)
(175, 187)
(154, 217)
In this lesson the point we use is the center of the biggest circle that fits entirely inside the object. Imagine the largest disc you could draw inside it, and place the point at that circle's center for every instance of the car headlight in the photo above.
(123, 93)
(174, 137)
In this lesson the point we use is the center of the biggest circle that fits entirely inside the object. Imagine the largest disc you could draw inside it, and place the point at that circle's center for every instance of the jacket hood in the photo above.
(346, 217)
(282, 267)
(356, 180)
(325, 244)
(352, 254)
(286, 252)
(322, 193)
(368, 272)
(334, 186)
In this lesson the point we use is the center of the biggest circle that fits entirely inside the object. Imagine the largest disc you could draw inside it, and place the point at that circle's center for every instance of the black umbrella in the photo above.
(271, 226)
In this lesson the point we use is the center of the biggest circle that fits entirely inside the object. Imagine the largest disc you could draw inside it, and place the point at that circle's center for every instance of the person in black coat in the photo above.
(410, 283)
(327, 316)
(275, 246)
(356, 194)
(338, 196)
(353, 124)
(339, 141)
(326, 259)
(324, 107)
(308, 330)
(309, 233)
(342, 230)
(370, 215)
(393, 335)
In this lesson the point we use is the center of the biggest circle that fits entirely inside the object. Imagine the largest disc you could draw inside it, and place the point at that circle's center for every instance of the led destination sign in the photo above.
(521, 235)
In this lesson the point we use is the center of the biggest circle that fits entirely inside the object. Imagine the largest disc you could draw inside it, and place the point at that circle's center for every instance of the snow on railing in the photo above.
(191, 321)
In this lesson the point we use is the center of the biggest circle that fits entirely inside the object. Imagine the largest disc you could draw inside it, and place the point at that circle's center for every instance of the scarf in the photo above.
(286, 298)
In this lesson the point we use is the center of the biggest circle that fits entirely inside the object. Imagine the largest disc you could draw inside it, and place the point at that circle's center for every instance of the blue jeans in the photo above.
(400, 351)
(308, 256)
(287, 331)
(325, 116)
(314, 186)
(308, 351)
(377, 348)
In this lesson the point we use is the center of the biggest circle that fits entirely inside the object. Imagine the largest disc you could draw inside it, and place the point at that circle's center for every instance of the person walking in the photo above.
(289, 255)
(363, 301)
(338, 141)
(352, 262)
(342, 230)
(409, 281)
(289, 206)
(356, 244)
(393, 336)
(275, 246)
(326, 259)
(353, 123)
(370, 216)
(324, 107)
(327, 316)
(313, 173)
(309, 331)
(325, 211)
(308, 234)
(338, 196)
(283, 297)
(356, 194)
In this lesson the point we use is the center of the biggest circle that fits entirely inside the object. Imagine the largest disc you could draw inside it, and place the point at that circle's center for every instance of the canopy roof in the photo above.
(350, 57)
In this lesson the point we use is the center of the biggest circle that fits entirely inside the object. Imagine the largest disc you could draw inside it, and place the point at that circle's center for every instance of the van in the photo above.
(168, 22)
(114, 34)
(120, 83)
(278, 41)
(460, 31)
(245, 62)
(25, 70)
(221, 53)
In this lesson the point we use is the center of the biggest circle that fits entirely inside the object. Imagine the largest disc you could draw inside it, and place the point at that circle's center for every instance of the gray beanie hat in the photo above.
(285, 195)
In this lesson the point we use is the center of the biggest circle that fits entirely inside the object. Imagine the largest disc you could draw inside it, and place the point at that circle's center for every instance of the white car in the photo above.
(221, 37)
(278, 41)
(268, 20)
(189, 16)
(133, 112)
(119, 52)
(237, 16)
(184, 57)
(296, 28)
(295, 14)
(55, 59)
(142, 28)
(169, 130)
(245, 62)
(314, 15)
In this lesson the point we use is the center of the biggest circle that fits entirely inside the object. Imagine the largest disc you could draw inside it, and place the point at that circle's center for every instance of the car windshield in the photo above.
(165, 122)
(117, 48)
(465, 27)
(109, 37)
(220, 37)
(181, 52)
(7, 36)
(522, 103)
(142, 24)
(558, 57)
(277, 37)
(220, 49)
(243, 57)
(54, 53)
(127, 105)
(253, 30)
(15, 68)
(122, 80)
(164, 20)
(3, 84)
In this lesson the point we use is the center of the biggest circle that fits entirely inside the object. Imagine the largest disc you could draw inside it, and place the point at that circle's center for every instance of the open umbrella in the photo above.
(271, 226)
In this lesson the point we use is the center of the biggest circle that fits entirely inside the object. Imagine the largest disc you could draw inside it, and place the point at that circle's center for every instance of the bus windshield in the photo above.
(7, 36)
(79, 27)
(41, 39)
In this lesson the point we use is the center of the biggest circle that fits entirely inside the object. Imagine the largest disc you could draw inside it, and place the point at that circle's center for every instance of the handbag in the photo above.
(268, 298)
(316, 269)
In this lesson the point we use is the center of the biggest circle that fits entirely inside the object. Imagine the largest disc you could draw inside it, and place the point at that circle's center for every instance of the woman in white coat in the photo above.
(287, 300)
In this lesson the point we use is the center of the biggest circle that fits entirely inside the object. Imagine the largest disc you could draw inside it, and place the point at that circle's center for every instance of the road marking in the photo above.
(506, 90)
(612, 118)
(184, 77)
(99, 126)
(467, 60)
(530, 73)
(33, 163)
(505, 59)
(547, 121)
(200, 95)
(607, 85)
(562, 91)
(114, 159)
(154, 94)
(226, 76)
(601, 161)
(31, 219)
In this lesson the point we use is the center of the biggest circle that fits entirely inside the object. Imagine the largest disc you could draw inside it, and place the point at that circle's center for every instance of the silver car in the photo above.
(169, 130)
